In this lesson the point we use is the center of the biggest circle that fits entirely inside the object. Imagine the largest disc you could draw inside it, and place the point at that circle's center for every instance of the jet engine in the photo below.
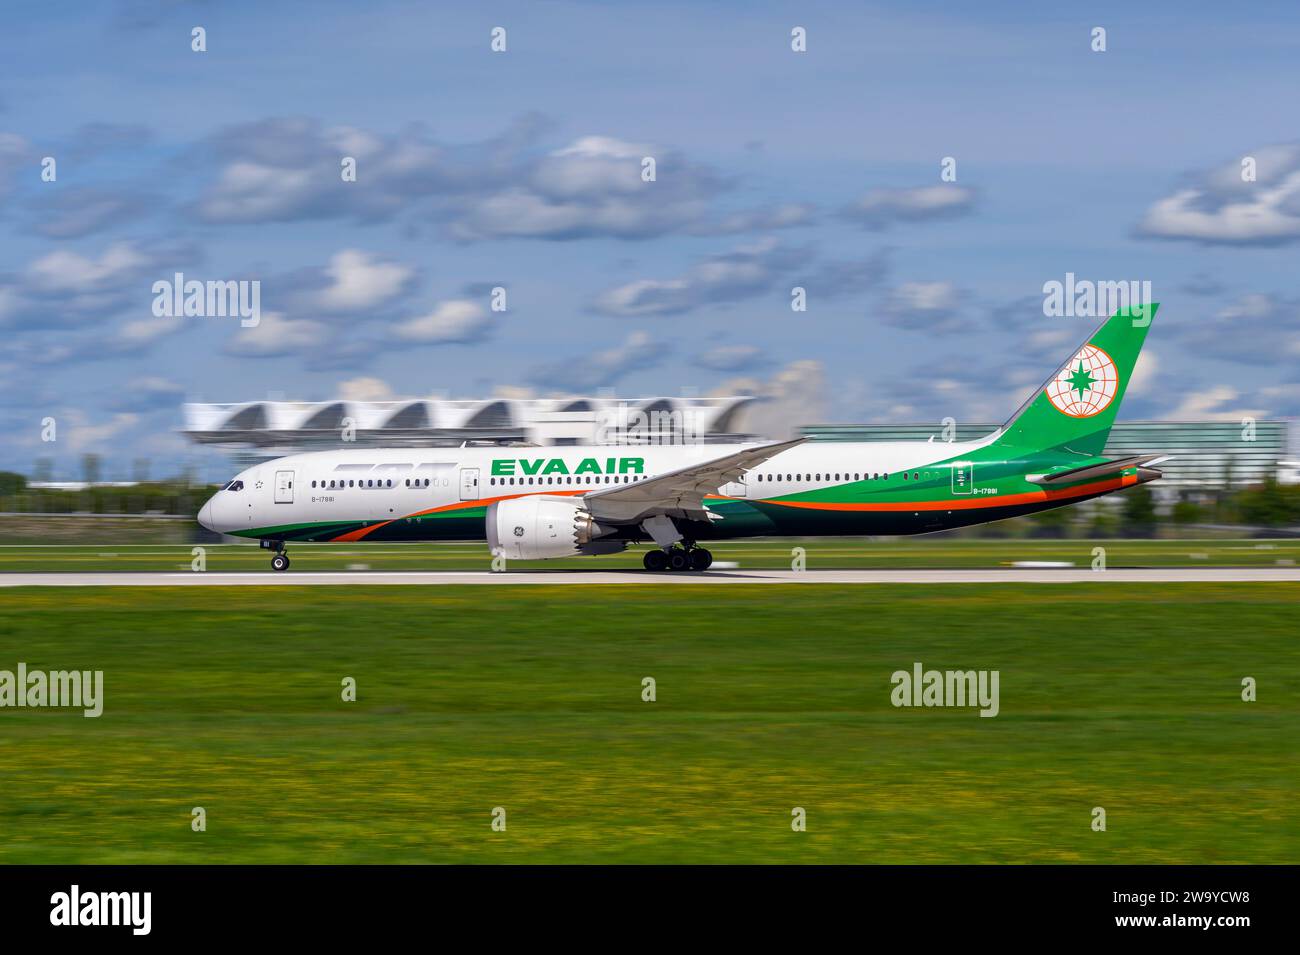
(538, 528)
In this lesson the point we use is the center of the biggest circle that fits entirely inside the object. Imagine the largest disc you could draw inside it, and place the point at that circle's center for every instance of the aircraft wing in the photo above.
(1099, 469)
(678, 493)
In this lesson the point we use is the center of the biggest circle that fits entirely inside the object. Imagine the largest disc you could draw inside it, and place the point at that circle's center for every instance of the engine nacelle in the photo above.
(538, 528)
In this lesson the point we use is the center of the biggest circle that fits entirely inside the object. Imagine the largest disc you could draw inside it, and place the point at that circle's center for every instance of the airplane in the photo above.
(537, 503)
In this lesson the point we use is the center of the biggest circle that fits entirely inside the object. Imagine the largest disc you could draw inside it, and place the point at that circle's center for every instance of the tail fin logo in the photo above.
(1086, 385)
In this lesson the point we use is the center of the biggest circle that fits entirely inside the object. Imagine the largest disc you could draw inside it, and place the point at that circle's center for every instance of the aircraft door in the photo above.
(284, 487)
(963, 477)
(469, 484)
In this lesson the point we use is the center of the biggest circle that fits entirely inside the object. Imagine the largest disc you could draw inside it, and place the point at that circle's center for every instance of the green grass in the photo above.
(1114, 695)
(823, 553)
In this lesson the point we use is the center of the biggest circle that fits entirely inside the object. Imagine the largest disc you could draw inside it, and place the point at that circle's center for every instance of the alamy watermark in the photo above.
(53, 688)
(211, 299)
(75, 907)
(628, 425)
(921, 687)
(1084, 298)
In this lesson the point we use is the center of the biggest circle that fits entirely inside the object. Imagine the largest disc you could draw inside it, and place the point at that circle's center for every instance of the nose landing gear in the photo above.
(281, 560)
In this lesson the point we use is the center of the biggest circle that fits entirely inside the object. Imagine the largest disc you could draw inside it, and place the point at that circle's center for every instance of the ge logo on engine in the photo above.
(519, 531)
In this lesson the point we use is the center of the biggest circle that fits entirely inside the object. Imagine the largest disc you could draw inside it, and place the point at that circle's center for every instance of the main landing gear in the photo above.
(281, 560)
(684, 556)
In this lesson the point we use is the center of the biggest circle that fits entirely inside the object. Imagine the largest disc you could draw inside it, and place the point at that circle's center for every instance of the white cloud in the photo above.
(83, 436)
(731, 357)
(252, 192)
(145, 394)
(14, 153)
(1144, 372)
(365, 389)
(928, 306)
(65, 272)
(1256, 329)
(600, 369)
(360, 281)
(1220, 208)
(1208, 404)
(881, 207)
(742, 273)
(785, 216)
(276, 336)
(593, 187)
(143, 332)
(794, 396)
(458, 321)
(513, 392)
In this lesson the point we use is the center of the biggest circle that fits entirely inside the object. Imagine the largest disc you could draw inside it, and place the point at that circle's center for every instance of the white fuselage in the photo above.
(386, 484)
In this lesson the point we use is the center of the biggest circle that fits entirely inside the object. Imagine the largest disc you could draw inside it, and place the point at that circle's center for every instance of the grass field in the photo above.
(1120, 696)
(822, 553)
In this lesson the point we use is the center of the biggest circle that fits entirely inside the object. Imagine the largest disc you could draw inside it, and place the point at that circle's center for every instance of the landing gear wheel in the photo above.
(655, 560)
(280, 562)
(701, 559)
(678, 560)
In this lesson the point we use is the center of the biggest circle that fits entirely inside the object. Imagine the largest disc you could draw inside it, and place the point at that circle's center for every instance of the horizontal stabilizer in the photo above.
(1100, 469)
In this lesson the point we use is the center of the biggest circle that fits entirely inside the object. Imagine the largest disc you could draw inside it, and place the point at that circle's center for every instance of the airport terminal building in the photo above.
(249, 432)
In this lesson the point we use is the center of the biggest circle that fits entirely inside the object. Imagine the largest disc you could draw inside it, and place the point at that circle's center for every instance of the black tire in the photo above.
(280, 562)
(655, 560)
(678, 560)
(701, 559)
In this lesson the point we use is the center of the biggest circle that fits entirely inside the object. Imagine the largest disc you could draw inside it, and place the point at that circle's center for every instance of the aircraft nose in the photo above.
(205, 516)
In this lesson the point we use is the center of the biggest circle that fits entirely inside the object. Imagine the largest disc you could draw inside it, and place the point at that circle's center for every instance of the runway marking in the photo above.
(1187, 575)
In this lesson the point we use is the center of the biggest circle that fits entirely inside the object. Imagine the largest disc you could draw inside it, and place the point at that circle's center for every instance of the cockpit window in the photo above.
(234, 486)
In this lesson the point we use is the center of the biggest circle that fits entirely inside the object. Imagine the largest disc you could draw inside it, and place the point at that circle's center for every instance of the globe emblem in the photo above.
(1086, 385)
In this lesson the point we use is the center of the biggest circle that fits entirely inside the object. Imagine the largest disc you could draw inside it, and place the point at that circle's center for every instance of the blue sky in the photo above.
(522, 170)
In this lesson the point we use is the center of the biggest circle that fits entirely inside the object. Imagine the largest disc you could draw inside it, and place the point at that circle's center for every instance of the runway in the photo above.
(1170, 575)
